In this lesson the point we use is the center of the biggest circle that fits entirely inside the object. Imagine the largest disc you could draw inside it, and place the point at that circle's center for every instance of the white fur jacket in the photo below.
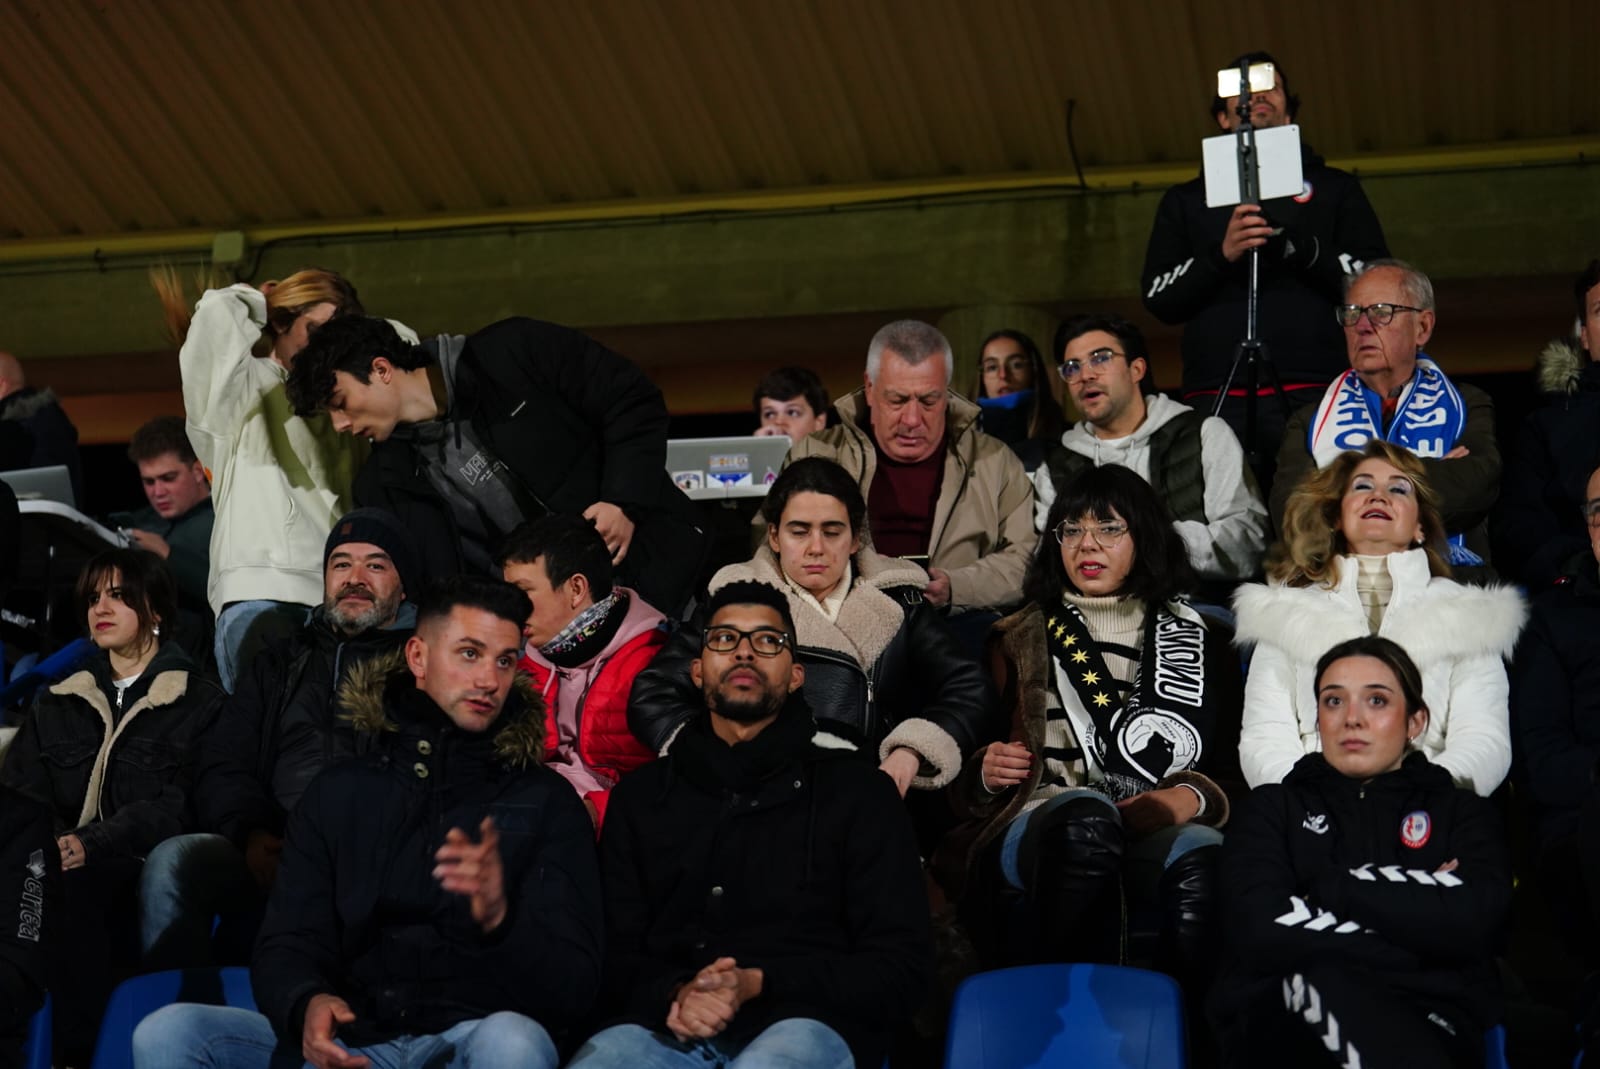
(1458, 636)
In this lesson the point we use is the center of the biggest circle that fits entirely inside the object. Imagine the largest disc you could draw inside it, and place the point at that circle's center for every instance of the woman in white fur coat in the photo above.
(1363, 553)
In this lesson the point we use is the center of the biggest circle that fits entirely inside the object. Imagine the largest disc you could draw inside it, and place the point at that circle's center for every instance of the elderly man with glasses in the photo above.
(1194, 462)
(1396, 392)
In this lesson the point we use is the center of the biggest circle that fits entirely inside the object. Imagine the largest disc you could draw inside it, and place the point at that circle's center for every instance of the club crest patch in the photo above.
(1306, 192)
(1416, 829)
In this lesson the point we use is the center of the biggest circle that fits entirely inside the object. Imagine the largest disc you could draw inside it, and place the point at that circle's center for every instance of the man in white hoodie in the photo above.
(1193, 461)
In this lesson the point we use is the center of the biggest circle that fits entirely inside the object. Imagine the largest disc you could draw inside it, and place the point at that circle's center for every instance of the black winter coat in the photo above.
(118, 779)
(1536, 525)
(282, 727)
(575, 423)
(1317, 870)
(1555, 701)
(357, 912)
(35, 432)
(785, 855)
(1186, 280)
(30, 881)
(923, 690)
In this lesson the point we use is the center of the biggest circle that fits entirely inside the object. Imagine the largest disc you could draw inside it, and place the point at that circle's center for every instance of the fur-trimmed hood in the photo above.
(869, 619)
(1435, 619)
(27, 403)
(363, 697)
(1560, 366)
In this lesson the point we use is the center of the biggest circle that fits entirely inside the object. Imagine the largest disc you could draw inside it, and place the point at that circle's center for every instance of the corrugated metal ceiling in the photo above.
(121, 116)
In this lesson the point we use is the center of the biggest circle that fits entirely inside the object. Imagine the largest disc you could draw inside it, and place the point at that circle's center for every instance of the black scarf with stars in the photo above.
(1163, 726)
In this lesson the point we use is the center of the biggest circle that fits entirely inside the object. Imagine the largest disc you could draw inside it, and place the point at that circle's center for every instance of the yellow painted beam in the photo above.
(190, 243)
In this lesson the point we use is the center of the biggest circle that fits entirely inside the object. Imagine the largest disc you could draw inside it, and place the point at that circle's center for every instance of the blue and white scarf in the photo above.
(1428, 421)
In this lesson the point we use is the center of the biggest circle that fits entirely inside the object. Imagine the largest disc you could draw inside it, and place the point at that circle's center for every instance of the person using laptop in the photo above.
(475, 434)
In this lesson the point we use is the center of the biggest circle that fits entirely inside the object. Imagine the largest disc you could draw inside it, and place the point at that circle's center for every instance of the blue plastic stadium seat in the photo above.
(1067, 1015)
(136, 999)
(36, 1048)
(1495, 1049)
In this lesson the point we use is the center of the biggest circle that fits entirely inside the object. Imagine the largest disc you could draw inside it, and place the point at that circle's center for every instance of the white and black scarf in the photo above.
(1163, 725)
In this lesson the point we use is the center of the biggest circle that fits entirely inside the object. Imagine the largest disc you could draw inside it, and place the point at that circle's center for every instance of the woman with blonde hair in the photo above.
(278, 480)
(1364, 552)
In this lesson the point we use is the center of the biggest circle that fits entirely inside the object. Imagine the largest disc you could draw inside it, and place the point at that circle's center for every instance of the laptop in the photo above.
(45, 484)
(709, 469)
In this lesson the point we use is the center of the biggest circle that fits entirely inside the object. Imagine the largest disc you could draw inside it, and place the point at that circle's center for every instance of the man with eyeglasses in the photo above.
(1196, 267)
(1194, 462)
(939, 491)
(1393, 390)
(763, 895)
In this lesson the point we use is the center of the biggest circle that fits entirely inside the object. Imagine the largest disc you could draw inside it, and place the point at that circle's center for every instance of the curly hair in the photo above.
(1313, 536)
(348, 344)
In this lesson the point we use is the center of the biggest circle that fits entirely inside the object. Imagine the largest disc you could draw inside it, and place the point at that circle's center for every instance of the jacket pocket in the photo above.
(139, 769)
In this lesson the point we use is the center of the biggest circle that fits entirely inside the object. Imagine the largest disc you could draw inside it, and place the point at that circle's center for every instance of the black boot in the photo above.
(1189, 938)
(1075, 883)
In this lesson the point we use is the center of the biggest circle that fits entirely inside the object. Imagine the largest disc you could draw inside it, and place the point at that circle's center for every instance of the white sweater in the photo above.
(278, 481)
(1458, 636)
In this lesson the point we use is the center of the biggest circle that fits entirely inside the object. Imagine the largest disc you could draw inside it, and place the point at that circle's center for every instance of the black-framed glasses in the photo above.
(1071, 369)
(765, 641)
(1591, 511)
(1379, 315)
(1106, 535)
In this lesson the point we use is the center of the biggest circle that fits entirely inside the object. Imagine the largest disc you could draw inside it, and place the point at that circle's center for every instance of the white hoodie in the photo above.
(1231, 541)
(278, 481)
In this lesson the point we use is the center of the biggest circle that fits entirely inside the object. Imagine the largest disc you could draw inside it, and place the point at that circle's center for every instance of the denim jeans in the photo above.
(186, 1036)
(797, 1043)
(245, 628)
(187, 881)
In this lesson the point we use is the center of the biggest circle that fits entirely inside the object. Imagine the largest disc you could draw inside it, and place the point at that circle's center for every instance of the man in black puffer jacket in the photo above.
(763, 894)
(438, 900)
(277, 731)
(1539, 522)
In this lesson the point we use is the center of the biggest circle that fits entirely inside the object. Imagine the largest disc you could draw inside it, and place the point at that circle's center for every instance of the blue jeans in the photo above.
(797, 1043)
(186, 1036)
(188, 880)
(245, 628)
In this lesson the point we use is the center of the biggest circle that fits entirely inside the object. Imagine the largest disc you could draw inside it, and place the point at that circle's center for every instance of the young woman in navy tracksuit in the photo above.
(1366, 892)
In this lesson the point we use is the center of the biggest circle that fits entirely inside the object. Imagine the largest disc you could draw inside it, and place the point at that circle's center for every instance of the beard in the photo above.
(352, 620)
(747, 708)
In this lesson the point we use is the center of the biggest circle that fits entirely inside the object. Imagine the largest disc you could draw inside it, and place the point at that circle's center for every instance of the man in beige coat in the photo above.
(939, 491)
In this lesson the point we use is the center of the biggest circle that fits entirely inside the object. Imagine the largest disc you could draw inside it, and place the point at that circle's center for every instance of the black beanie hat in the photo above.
(380, 528)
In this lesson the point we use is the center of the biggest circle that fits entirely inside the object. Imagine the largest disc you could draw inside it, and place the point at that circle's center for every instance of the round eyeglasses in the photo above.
(1071, 369)
(1105, 535)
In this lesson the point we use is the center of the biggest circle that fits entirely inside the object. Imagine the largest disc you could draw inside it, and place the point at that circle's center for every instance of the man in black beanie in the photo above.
(277, 731)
